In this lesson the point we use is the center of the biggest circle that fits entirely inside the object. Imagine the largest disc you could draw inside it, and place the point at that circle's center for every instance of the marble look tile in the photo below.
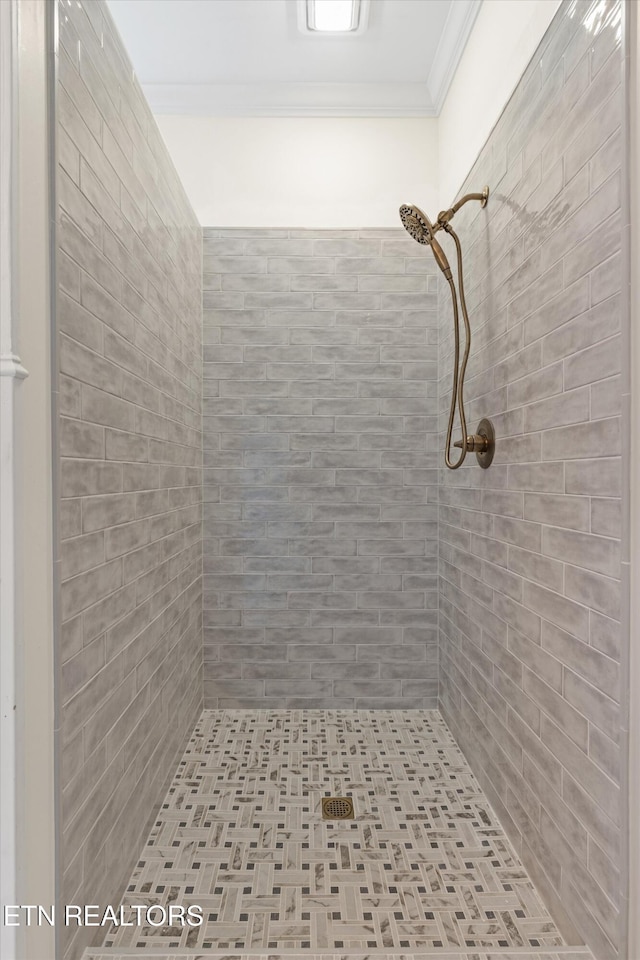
(424, 864)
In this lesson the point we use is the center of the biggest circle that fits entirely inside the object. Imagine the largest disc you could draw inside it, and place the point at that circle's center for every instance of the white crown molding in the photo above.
(291, 99)
(422, 97)
(462, 16)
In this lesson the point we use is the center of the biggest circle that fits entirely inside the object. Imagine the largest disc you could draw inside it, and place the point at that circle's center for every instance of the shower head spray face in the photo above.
(418, 226)
(416, 223)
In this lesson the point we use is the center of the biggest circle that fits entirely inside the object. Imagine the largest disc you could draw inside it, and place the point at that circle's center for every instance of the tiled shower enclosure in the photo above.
(253, 516)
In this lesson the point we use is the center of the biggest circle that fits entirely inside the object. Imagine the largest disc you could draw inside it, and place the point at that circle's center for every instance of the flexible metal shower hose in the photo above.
(457, 391)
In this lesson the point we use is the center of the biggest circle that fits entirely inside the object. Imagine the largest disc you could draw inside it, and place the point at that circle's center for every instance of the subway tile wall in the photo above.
(320, 469)
(129, 443)
(531, 645)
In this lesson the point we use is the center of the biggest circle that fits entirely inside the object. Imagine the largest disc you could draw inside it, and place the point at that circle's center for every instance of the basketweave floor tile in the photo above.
(423, 866)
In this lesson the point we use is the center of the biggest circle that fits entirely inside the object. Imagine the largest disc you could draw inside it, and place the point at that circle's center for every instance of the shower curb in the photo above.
(499, 953)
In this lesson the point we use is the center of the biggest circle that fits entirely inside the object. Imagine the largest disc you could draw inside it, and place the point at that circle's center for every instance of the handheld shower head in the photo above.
(418, 226)
(416, 223)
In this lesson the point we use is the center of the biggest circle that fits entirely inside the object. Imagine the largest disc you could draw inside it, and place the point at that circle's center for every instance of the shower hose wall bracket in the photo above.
(482, 443)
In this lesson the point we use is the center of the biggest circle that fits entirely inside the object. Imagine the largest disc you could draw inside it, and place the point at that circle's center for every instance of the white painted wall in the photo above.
(317, 172)
(503, 40)
(355, 172)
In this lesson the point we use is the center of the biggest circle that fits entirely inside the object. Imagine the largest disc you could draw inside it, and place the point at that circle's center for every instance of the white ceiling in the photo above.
(248, 58)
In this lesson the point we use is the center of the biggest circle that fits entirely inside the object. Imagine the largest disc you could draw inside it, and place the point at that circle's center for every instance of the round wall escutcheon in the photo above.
(485, 457)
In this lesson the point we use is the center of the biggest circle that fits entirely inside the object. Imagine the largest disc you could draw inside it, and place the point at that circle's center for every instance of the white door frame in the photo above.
(634, 524)
(27, 718)
(11, 372)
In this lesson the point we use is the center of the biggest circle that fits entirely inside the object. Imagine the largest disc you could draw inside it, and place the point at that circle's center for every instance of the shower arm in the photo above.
(446, 215)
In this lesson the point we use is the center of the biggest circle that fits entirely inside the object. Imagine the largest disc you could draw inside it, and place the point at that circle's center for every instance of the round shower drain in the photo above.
(337, 808)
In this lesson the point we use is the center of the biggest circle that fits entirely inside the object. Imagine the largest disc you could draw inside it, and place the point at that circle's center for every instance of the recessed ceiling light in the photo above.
(333, 16)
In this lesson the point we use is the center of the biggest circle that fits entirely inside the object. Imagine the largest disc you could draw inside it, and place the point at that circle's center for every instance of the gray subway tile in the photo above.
(583, 549)
(596, 591)
(594, 477)
(595, 363)
(581, 441)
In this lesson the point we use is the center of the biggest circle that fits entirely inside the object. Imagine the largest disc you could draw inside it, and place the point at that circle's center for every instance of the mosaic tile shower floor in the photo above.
(424, 866)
